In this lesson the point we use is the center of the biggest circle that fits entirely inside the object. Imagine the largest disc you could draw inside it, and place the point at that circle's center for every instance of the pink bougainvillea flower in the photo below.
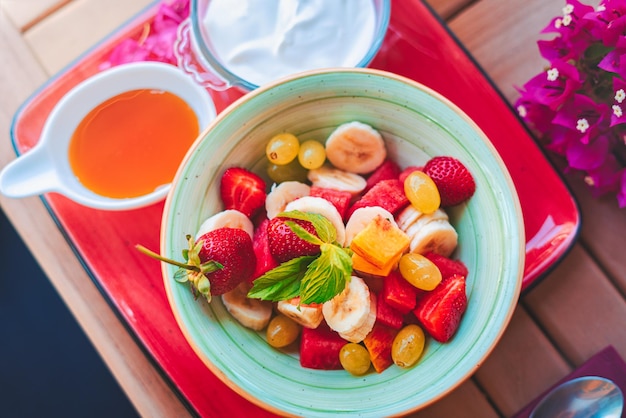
(583, 115)
(606, 178)
(583, 94)
(556, 85)
(587, 156)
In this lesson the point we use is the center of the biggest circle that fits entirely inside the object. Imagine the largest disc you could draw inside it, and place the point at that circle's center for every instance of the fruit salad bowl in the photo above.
(416, 124)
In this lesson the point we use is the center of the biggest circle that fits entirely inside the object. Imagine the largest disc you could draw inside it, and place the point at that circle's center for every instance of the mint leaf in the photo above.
(282, 282)
(303, 233)
(325, 229)
(327, 275)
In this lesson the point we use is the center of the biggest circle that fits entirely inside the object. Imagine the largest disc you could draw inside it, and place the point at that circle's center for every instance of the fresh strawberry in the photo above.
(453, 179)
(260, 244)
(378, 343)
(242, 190)
(319, 348)
(232, 248)
(388, 315)
(447, 266)
(284, 244)
(386, 171)
(398, 293)
(441, 309)
(405, 173)
(388, 194)
(339, 198)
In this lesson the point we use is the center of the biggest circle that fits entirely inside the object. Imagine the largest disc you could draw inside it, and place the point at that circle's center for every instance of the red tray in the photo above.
(418, 45)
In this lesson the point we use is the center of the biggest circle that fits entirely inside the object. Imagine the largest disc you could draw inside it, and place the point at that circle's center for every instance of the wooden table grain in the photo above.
(575, 311)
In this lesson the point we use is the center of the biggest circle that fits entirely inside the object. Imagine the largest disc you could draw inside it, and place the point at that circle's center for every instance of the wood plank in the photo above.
(63, 36)
(137, 377)
(580, 308)
(447, 8)
(466, 401)
(522, 365)
(23, 13)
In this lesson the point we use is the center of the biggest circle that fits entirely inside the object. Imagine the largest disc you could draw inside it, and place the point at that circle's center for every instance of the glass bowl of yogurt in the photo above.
(253, 42)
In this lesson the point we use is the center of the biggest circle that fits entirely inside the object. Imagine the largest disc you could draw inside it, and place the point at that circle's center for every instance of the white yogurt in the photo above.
(260, 40)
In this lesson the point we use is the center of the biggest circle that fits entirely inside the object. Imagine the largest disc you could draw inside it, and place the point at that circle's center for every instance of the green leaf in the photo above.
(327, 275)
(303, 233)
(210, 267)
(282, 282)
(325, 229)
(204, 287)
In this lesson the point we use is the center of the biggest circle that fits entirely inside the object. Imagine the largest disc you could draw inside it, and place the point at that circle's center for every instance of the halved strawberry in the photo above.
(319, 348)
(260, 244)
(441, 309)
(242, 190)
(339, 198)
(386, 171)
(453, 179)
(284, 244)
(447, 266)
(388, 194)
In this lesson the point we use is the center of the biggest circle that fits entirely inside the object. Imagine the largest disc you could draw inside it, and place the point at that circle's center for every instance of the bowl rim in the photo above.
(215, 66)
(519, 224)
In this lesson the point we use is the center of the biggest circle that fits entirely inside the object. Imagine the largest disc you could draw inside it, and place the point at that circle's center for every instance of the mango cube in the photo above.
(361, 265)
(380, 243)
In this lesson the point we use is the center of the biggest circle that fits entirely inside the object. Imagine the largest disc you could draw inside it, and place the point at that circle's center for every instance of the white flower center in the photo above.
(568, 9)
(558, 23)
(620, 95)
(589, 181)
(617, 111)
(601, 8)
(582, 125)
(553, 74)
(521, 110)
(567, 19)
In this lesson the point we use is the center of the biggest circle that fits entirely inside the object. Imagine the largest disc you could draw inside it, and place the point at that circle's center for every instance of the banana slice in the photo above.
(251, 313)
(309, 316)
(287, 191)
(321, 206)
(414, 224)
(229, 218)
(361, 332)
(356, 147)
(435, 236)
(334, 178)
(362, 217)
(350, 310)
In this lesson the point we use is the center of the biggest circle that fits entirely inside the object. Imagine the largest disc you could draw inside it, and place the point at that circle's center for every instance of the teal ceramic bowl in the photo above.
(417, 123)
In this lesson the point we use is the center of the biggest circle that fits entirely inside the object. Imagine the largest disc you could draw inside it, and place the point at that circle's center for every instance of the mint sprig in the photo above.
(316, 279)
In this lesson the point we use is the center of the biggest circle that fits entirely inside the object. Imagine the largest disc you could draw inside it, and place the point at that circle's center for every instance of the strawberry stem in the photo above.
(152, 254)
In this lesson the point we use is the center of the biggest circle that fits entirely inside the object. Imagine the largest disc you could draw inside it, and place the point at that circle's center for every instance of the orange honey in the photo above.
(133, 143)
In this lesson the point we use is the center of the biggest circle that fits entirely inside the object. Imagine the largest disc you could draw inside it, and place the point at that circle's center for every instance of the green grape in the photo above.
(282, 331)
(282, 149)
(419, 271)
(312, 154)
(290, 172)
(408, 346)
(355, 359)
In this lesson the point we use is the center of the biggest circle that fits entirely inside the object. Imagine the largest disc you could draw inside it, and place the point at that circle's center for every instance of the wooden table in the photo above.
(576, 310)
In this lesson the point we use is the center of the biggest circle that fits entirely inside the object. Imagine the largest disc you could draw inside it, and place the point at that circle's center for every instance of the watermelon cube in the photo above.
(319, 348)
(388, 194)
(447, 266)
(388, 315)
(386, 171)
(260, 244)
(339, 198)
(398, 293)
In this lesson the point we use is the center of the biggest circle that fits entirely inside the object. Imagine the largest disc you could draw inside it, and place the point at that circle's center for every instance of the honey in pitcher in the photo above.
(132, 143)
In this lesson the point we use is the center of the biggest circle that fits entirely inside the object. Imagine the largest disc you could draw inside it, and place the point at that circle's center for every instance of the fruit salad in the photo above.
(346, 256)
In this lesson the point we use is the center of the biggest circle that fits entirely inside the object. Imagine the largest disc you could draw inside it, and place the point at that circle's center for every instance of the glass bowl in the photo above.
(197, 56)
